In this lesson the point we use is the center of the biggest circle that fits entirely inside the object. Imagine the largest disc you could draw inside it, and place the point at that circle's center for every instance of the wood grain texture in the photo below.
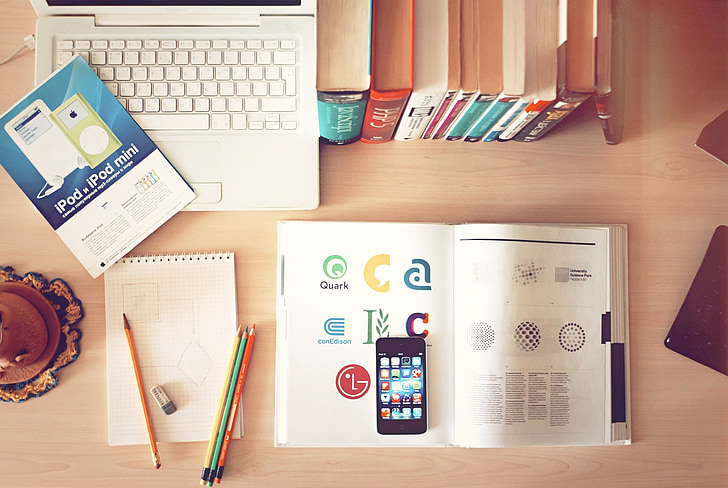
(671, 195)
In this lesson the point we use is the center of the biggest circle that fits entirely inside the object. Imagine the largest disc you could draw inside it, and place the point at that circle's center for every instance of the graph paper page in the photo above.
(182, 313)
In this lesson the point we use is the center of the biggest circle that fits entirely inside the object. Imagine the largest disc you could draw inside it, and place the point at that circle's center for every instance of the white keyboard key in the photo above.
(173, 73)
(113, 87)
(164, 58)
(151, 44)
(227, 89)
(98, 58)
(117, 45)
(251, 104)
(131, 57)
(151, 105)
(64, 56)
(209, 89)
(230, 57)
(135, 44)
(247, 58)
(288, 75)
(115, 57)
(156, 73)
(186, 44)
(220, 121)
(194, 89)
(169, 105)
(289, 125)
(288, 44)
(160, 89)
(271, 44)
(214, 57)
(243, 89)
(206, 73)
(173, 121)
(203, 44)
(240, 121)
(99, 44)
(65, 45)
(276, 89)
(149, 57)
(219, 44)
(184, 105)
(260, 89)
(168, 44)
(284, 57)
(177, 89)
(263, 57)
(197, 58)
(237, 44)
(222, 73)
(123, 73)
(189, 73)
(255, 44)
(278, 104)
(82, 45)
(126, 89)
(256, 125)
(239, 73)
(235, 104)
(106, 74)
(144, 89)
(181, 57)
(202, 104)
(218, 104)
(135, 105)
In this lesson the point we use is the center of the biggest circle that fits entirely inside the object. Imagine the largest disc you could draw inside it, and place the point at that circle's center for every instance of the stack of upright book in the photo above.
(467, 70)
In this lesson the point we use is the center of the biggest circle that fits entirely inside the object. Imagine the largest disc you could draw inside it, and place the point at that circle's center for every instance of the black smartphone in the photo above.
(401, 385)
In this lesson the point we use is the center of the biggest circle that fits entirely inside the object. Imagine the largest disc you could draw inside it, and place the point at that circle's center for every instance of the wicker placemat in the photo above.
(69, 311)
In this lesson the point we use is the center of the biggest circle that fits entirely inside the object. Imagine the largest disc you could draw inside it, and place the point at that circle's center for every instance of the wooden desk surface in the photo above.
(670, 194)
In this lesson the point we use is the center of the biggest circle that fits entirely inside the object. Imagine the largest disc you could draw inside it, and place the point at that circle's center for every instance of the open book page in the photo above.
(342, 286)
(530, 366)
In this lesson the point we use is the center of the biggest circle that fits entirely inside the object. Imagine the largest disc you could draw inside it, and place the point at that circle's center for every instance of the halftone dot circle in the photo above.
(527, 336)
(572, 337)
(481, 336)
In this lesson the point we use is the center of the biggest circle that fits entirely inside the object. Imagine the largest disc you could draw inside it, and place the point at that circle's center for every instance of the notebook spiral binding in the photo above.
(193, 256)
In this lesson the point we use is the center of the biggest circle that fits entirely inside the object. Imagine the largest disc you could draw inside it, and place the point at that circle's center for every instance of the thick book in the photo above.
(342, 76)
(453, 69)
(392, 68)
(430, 67)
(579, 69)
(468, 85)
(526, 329)
(610, 58)
(88, 168)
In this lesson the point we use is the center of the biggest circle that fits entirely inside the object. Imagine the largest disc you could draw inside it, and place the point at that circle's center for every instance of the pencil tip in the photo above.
(126, 322)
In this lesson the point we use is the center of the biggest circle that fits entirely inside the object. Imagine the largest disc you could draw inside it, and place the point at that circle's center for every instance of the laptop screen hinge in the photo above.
(176, 20)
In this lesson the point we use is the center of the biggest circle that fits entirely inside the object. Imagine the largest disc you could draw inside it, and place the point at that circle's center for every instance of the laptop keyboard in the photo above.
(234, 84)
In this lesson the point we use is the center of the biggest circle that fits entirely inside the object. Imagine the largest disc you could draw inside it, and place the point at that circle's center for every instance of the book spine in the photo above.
(440, 113)
(490, 118)
(341, 116)
(417, 114)
(524, 118)
(471, 116)
(383, 111)
(458, 107)
(568, 102)
(517, 108)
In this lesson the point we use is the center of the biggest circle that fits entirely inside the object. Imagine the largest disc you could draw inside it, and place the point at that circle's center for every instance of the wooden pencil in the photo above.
(236, 402)
(220, 407)
(140, 384)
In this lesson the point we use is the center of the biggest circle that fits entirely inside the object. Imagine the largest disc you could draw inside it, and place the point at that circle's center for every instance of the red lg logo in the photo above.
(353, 381)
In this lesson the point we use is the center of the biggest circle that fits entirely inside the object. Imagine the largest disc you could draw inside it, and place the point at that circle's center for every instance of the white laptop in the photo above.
(225, 88)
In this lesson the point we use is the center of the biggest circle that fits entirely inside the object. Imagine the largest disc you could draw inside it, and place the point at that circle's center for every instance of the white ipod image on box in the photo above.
(86, 130)
(45, 145)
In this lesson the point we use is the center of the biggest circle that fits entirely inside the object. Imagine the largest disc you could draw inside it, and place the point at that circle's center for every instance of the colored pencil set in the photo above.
(230, 397)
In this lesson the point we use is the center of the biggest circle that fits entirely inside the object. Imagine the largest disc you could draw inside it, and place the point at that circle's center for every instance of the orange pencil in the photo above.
(236, 403)
(152, 441)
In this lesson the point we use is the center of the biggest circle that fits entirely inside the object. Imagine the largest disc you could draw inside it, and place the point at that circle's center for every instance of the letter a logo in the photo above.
(373, 271)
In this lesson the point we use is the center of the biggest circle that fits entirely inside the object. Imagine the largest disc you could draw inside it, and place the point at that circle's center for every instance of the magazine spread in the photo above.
(88, 168)
(521, 323)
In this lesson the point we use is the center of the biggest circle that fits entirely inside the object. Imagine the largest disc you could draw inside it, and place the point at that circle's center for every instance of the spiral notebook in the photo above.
(182, 311)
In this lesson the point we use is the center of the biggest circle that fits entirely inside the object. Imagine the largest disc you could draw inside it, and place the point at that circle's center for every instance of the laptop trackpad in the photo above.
(200, 164)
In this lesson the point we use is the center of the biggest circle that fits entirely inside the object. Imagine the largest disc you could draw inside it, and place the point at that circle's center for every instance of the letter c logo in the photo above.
(425, 317)
(370, 273)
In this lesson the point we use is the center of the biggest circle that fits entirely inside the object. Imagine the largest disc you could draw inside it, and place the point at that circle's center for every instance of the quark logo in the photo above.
(418, 277)
(375, 273)
(335, 267)
(353, 381)
(334, 326)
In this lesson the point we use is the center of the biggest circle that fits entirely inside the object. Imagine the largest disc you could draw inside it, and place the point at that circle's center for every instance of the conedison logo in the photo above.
(335, 267)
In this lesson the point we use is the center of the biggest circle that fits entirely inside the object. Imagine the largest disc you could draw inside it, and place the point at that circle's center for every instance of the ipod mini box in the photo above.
(87, 166)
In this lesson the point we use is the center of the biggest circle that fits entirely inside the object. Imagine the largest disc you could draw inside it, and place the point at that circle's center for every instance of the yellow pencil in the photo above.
(220, 408)
(135, 362)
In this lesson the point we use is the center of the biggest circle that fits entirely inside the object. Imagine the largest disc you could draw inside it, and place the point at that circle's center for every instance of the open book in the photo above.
(526, 331)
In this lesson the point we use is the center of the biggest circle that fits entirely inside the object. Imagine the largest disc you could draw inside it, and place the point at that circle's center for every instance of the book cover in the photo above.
(392, 68)
(430, 67)
(342, 76)
(535, 311)
(87, 167)
(490, 66)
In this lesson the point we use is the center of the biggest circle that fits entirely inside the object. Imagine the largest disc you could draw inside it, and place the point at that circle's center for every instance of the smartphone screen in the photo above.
(401, 385)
